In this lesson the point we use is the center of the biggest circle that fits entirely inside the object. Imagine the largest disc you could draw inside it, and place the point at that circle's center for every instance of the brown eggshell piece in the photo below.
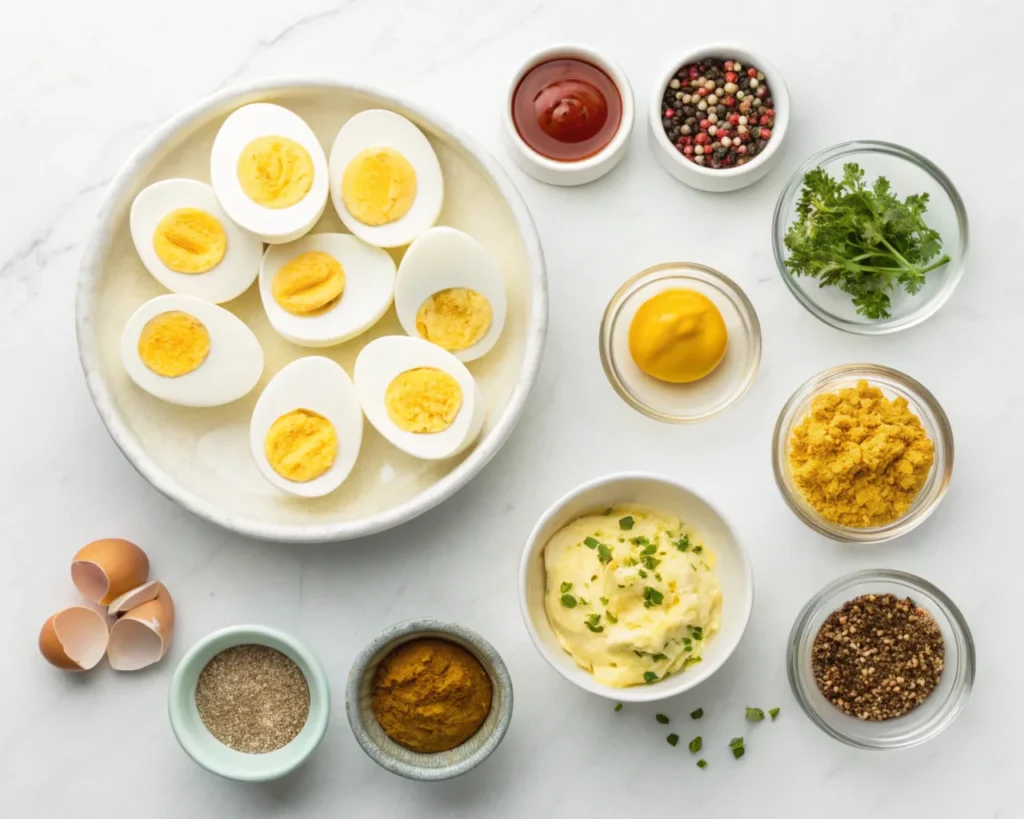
(142, 636)
(136, 597)
(105, 569)
(74, 639)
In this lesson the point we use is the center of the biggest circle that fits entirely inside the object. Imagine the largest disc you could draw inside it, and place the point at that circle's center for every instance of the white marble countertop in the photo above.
(85, 82)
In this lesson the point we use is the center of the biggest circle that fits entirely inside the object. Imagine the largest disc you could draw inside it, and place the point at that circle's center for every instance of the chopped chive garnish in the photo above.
(691, 661)
(736, 742)
(697, 714)
(701, 763)
(590, 542)
(773, 713)
(683, 544)
(652, 597)
(658, 658)
(568, 601)
(592, 622)
(583, 602)
(611, 618)
(650, 677)
(738, 752)
(618, 706)
(626, 523)
(698, 632)
(604, 554)
(698, 549)
(755, 714)
(661, 718)
(607, 511)
(650, 562)
(604, 601)
(642, 541)
(642, 573)
(672, 739)
(696, 744)
(566, 586)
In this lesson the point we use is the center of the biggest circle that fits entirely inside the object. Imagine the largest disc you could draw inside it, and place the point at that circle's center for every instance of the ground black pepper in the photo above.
(878, 657)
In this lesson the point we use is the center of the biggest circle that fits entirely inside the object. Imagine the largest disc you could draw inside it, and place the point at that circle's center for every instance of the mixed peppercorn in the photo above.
(718, 113)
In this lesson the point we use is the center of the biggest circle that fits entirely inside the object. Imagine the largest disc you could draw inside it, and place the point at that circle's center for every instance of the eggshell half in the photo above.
(136, 597)
(142, 636)
(105, 569)
(74, 639)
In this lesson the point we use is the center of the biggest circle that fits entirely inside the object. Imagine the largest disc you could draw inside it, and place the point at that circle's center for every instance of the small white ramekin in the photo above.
(721, 180)
(579, 172)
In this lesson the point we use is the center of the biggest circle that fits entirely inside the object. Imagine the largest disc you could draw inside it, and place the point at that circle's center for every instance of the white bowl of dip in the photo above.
(732, 569)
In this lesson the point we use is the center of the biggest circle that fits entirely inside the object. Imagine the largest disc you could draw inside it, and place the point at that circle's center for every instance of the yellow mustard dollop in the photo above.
(423, 400)
(678, 336)
(301, 445)
(378, 186)
(174, 343)
(455, 318)
(310, 283)
(275, 171)
(190, 240)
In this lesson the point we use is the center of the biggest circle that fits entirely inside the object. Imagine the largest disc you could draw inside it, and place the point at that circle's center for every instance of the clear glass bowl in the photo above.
(681, 403)
(893, 384)
(909, 172)
(933, 715)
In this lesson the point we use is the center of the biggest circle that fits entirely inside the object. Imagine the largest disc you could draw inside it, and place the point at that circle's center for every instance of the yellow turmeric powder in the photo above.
(430, 695)
(858, 458)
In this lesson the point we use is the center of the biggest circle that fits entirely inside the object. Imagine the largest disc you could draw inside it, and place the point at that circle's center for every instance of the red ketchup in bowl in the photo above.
(566, 109)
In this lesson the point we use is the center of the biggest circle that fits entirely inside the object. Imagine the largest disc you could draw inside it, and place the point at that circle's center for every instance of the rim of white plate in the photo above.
(103, 233)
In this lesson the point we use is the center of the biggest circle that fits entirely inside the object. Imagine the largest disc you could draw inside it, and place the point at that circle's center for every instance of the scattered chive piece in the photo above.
(701, 763)
(691, 661)
(755, 714)
(593, 577)
(604, 601)
(611, 618)
(650, 562)
(696, 744)
(566, 586)
(658, 657)
(738, 752)
(592, 622)
(568, 601)
(661, 718)
(652, 597)
(643, 574)
(774, 713)
(583, 602)
(626, 523)
(604, 554)
(683, 543)
(657, 577)
(607, 512)
(697, 714)
(698, 632)
(642, 541)
(672, 739)
(698, 549)
(638, 653)
(736, 742)
(650, 677)
(590, 542)
(618, 707)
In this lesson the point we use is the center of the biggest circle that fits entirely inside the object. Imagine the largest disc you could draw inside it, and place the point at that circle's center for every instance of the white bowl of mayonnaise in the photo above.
(635, 588)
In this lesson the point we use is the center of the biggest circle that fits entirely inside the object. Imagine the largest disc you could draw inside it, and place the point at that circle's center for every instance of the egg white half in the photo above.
(369, 289)
(377, 128)
(232, 275)
(232, 368)
(243, 126)
(318, 384)
(383, 360)
(442, 258)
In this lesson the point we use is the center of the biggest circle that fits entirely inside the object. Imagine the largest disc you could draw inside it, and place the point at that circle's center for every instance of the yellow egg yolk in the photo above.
(310, 283)
(455, 318)
(425, 399)
(301, 445)
(173, 344)
(189, 240)
(275, 172)
(678, 336)
(378, 186)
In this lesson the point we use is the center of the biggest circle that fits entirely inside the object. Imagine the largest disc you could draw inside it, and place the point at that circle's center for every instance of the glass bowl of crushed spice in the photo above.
(862, 453)
(249, 703)
(429, 700)
(870, 237)
(881, 659)
(718, 117)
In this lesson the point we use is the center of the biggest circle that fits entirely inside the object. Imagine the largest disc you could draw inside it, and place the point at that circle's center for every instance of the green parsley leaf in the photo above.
(697, 714)
(683, 544)
(568, 601)
(566, 586)
(662, 719)
(755, 714)
(650, 677)
(591, 542)
(642, 541)
(672, 739)
(618, 707)
(652, 597)
(650, 562)
(642, 573)
(696, 744)
(626, 523)
(604, 554)
(738, 752)
(736, 742)
(773, 713)
(701, 763)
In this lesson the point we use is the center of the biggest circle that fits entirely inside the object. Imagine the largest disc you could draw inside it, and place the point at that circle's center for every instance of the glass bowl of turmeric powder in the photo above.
(862, 453)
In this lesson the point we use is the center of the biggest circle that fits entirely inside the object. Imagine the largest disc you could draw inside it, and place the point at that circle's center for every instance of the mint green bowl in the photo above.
(218, 758)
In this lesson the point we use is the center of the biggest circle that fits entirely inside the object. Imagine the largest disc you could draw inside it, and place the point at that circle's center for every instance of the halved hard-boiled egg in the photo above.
(186, 240)
(449, 291)
(418, 396)
(386, 182)
(307, 428)
(326, 288)
(269, 172)
(190, 352)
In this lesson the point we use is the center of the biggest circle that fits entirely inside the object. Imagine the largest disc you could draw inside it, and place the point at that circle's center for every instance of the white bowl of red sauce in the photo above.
(569, 115)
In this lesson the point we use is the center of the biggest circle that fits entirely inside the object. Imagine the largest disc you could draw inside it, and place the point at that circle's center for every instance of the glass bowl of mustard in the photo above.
(858, 507)
(703, 397)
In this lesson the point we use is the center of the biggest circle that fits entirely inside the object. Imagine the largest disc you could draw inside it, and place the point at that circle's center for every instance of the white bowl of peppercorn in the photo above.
(718, 117)
(881, 659)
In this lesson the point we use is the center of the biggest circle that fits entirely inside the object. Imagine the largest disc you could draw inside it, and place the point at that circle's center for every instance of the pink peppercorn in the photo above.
(729, 101)
(694, 72)
(769, 112)
(703, 92)
(742, 149)
(734, 119)
(752, 72)
(765, 119)
(688, 150)
(705, 124)
(766, 133)
(669, 113)
(702, 139)
(731, 76)
(727, 65)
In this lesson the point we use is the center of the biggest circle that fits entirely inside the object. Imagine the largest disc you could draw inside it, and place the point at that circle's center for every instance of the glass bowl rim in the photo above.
(821, 382)
(680, 270)
(956, 698)
(844, 149)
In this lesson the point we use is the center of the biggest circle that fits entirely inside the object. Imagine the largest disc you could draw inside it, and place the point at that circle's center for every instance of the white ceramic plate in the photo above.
(200, 458)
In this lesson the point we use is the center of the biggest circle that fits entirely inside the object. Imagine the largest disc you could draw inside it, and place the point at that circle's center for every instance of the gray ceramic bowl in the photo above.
(218, 758)
(389, 754)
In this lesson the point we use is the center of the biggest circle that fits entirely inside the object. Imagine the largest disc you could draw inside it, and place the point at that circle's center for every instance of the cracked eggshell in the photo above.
(105, 569)
(74, 639)
(136, 597)
(142, 635)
